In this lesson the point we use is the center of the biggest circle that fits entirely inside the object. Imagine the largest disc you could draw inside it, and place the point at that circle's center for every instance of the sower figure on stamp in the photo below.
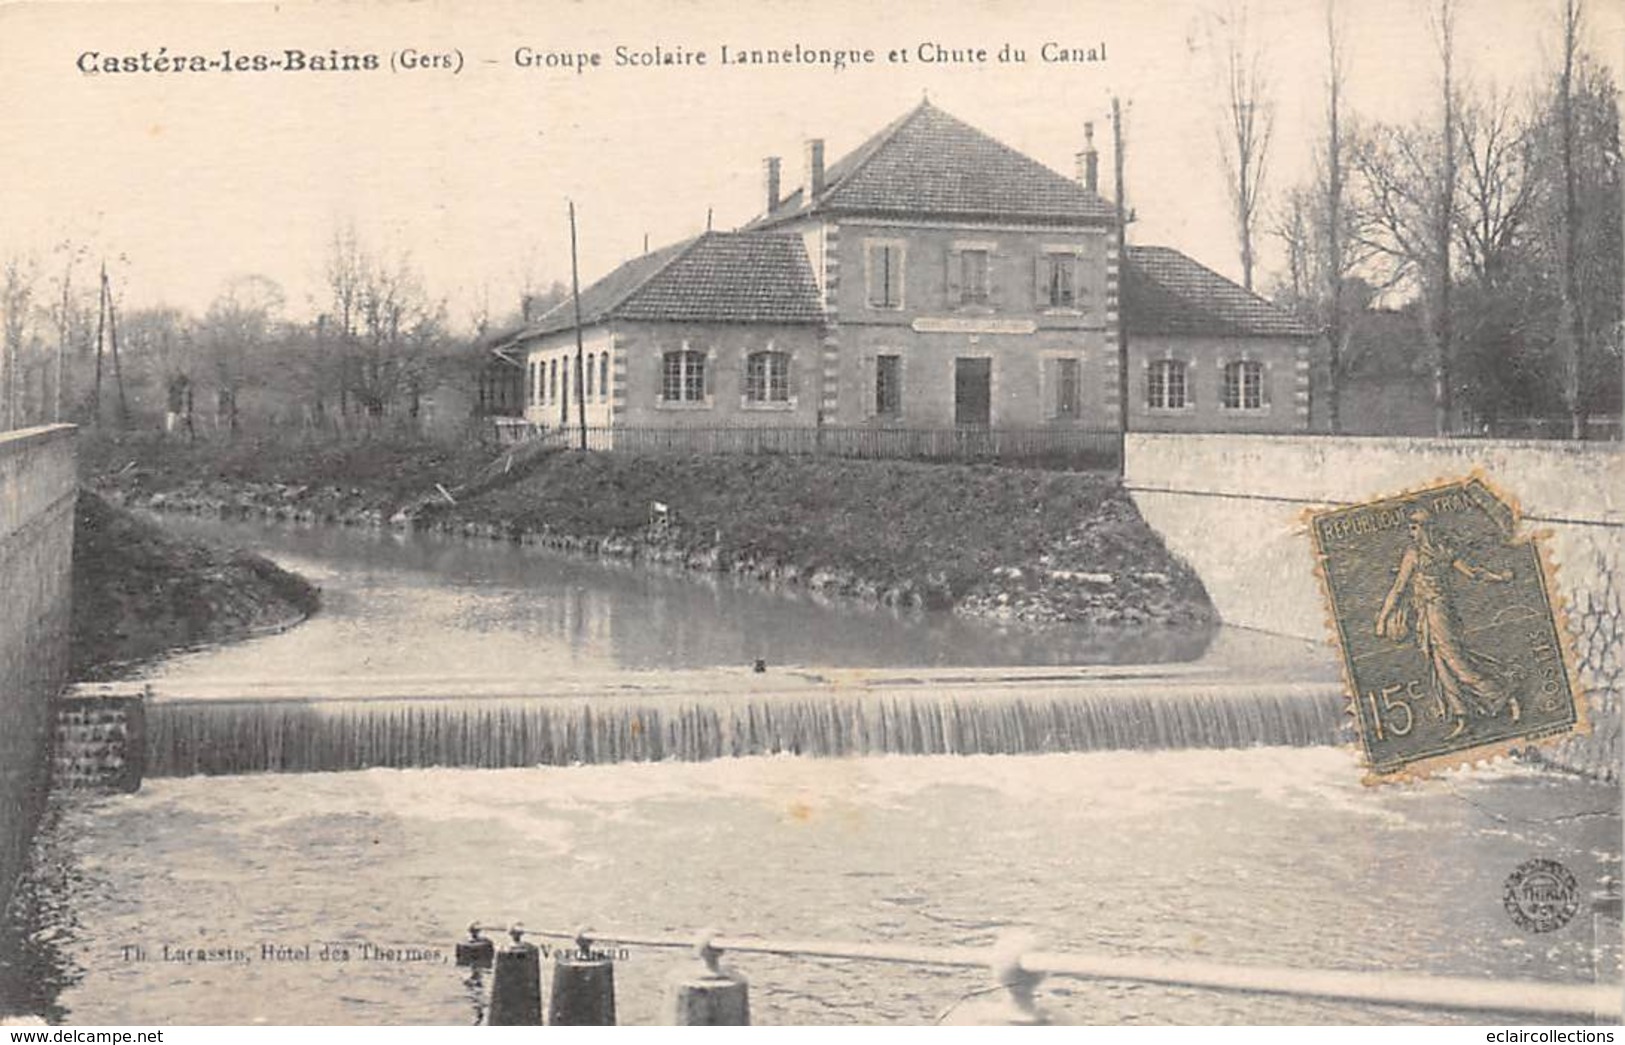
(1421, 594)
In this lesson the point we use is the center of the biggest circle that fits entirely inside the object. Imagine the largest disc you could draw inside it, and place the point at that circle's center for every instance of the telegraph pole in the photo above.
(1122, 268)
(575, 285)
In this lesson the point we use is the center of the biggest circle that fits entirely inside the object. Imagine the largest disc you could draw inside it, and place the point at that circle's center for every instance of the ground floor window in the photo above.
(1166, 385)
(603, 376)
(888, 386)
(1244, 385)
(683, 377)
(1068, 392)
(767, 377)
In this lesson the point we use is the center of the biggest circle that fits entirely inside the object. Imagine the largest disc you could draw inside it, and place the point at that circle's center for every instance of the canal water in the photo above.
(411, 604)
(336, 897)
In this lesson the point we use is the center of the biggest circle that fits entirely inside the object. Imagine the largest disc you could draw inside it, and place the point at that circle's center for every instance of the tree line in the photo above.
(1490, 224)
(379, 350)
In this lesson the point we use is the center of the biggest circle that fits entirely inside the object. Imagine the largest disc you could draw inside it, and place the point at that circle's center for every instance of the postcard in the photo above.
(814, 514)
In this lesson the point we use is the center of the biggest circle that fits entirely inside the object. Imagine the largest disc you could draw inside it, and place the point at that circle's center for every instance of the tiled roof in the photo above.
(929, 163)
(1165, 292)
(729, 277)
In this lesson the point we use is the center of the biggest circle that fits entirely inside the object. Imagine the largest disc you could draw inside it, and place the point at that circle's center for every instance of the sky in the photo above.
(186, 181)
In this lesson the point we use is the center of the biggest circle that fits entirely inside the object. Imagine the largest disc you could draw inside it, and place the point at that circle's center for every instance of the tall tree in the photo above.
(1444, 33)
(1249, 123)
(1336, 263)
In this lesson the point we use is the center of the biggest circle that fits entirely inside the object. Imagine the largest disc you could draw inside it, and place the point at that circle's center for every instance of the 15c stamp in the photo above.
(1451, 640)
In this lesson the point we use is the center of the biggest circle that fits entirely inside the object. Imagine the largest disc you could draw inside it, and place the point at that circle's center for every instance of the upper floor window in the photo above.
(683, 377)
(767, 377)
(885, 275)
(1058, 274)
(1244, 385)
(888, 386)
(973, 277)
(1166, 385)
(1067, 388)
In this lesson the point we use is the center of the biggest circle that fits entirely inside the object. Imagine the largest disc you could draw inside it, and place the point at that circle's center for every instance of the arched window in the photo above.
(603, 376)
(553, 380)
(1244, 385)
(767, 377)
(1166, 385)
(683, 377)
(591, 370)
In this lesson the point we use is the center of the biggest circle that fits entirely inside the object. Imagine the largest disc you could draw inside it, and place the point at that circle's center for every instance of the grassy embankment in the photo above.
(139, 592)
(1001, 543)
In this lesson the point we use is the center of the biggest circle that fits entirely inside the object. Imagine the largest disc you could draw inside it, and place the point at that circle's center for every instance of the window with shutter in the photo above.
(1068, 392)
(1061, 281)
(885, 275)
(888, 386)
(974, 276)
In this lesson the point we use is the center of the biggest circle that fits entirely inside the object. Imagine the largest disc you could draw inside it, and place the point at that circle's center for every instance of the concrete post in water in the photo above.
(516, 985)
(1014, 1004)
(477, 950)
(583, 987)
(709, 996)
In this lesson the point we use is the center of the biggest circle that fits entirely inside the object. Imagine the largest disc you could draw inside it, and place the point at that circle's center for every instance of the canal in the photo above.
(304, 887)
(410, 604)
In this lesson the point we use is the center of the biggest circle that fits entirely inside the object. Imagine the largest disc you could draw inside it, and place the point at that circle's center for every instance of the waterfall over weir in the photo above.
(186, 737)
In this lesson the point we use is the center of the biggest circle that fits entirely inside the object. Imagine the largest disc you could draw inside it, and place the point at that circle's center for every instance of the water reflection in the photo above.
(403, 604)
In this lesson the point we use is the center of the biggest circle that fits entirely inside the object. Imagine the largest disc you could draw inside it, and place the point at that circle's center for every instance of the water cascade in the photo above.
(310, 735)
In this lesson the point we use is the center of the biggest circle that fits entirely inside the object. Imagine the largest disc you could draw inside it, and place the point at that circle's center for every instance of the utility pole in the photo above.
(1122, 267)
(112, 335)
(575, 287)
(101, 324)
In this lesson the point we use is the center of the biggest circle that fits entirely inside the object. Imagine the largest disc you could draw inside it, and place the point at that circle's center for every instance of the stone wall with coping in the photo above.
(38, 485)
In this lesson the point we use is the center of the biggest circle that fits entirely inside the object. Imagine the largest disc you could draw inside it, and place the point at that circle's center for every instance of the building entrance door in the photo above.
(973, 391)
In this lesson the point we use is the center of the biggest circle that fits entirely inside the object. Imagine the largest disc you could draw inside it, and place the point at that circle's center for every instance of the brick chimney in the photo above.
(815, 168)
(1089, 160)
(770, 171)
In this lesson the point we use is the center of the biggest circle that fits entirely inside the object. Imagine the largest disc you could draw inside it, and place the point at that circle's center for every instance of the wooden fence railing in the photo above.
(1081, 448)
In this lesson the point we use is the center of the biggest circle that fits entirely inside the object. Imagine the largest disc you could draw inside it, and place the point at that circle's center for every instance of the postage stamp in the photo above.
(1452, 643)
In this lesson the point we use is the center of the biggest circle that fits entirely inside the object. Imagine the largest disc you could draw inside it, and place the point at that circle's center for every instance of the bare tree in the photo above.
(1249, 122)
(239, 324)
(1497, 185)
(381, 324)
(17, 304)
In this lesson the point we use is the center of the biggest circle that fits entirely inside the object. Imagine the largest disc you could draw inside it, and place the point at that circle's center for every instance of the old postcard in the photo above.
(701, 514)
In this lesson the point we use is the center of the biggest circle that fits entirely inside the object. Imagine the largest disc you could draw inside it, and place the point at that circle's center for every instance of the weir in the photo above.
(407, 726)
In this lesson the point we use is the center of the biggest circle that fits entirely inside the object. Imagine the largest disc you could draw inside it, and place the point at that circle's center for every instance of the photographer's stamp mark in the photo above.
(1541, 896)
(1451, 640)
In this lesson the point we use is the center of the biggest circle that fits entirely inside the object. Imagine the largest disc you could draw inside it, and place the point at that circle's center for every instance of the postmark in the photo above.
(1541, 896)
(1451, 639)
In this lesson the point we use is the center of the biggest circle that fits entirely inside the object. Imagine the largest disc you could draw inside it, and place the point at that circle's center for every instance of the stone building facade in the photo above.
(932, 279)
